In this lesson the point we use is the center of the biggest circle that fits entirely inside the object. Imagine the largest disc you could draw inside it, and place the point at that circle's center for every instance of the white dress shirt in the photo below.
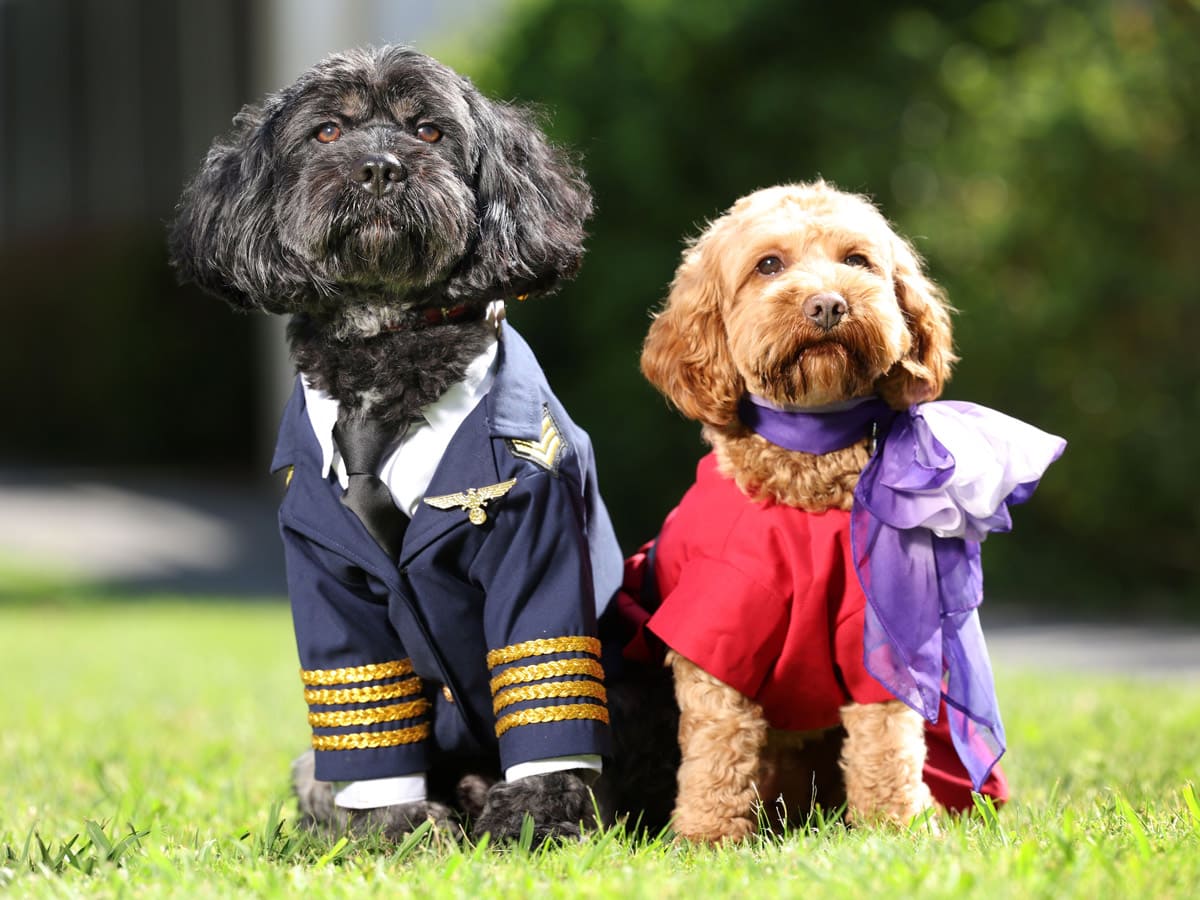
(407, 470)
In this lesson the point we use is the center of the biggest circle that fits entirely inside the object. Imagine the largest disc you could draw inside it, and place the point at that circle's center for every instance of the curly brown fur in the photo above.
(882, 759)
(740, 318)
(382, 203)
(727, 329)
(721, 738)
(804, 480)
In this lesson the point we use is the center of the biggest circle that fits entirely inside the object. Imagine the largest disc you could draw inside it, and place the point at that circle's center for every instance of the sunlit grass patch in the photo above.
(144, 748)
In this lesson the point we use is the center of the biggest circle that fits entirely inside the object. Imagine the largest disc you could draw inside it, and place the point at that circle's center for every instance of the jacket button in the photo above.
(446, 693)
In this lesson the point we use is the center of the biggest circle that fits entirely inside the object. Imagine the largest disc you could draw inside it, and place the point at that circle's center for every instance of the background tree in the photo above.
(1042, 154)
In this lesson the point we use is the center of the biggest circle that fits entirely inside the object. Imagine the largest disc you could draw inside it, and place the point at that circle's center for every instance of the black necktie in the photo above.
(362, 441)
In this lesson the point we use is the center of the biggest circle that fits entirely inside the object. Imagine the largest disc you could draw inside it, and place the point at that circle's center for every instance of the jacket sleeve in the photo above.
(540, 623)
(366, 707)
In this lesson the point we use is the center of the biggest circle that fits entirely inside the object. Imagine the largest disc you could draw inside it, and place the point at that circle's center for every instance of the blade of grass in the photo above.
(413, 840)
(991, 818)
(1141, 839)
(98, 838)
(525, 839)
(333, 853)
(1193, 805)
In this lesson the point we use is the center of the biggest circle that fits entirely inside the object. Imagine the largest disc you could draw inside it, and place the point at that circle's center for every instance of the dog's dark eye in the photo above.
(328, 133)
(429, 133)
(769, 265)
(858, 261)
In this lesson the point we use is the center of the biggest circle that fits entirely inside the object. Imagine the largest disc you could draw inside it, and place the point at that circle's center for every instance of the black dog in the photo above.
(384, 204)
(379, 186)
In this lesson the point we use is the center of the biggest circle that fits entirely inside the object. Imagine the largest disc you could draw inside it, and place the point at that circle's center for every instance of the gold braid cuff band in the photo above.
(543, 647)
(553, 689)
(547, 670)
(393, 713)
(366, 740)
(352, 674)
(542, 714)
(405, 688)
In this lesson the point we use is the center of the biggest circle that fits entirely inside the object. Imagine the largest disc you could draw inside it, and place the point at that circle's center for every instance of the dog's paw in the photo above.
(315, 798)
(559, 804)
(472, 793)
(319, 813)
(395, 822)
(701, 830)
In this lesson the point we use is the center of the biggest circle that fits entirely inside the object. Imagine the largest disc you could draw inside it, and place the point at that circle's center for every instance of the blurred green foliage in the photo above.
(1041, 154)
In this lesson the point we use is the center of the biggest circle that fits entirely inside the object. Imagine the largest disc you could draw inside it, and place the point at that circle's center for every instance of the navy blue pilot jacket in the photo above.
(480, 637)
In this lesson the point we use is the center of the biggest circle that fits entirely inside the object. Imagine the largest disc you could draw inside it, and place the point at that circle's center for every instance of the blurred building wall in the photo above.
(106, 108)
(106, 102)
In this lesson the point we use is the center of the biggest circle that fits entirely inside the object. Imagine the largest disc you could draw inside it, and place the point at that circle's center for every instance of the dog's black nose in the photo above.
(378, 173)
(825, 309)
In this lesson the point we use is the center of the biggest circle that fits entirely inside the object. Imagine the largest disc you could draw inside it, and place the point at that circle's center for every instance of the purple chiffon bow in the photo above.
(915, 527)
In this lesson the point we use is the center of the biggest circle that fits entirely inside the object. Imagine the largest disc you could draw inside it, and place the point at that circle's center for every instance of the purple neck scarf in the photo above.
(915, 529)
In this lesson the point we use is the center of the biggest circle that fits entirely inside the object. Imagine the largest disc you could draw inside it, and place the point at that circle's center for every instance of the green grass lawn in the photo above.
(175, 723)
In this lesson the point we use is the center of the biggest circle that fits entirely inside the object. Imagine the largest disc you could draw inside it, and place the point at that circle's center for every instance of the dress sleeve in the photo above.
(725, 621)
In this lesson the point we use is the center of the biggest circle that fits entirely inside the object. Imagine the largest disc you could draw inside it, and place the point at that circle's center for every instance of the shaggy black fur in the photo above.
(638, 783)
(281, 221)
(319, 813)
(355, 237)
(562, 800)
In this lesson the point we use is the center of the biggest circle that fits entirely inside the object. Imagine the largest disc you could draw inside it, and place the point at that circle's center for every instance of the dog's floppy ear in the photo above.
(923, 372)
(225, 236)
(686, 354)
(532, 206)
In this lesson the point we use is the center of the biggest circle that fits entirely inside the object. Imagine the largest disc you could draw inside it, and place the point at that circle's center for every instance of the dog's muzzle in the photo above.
(825, 309)
(378, 173)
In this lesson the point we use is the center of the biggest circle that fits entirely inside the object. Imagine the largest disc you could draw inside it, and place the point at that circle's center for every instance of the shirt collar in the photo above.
(443, 415)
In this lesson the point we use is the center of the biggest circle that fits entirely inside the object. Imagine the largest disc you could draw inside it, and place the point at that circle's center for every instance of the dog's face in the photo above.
(374, 168)
(380, 174)
(804, 295)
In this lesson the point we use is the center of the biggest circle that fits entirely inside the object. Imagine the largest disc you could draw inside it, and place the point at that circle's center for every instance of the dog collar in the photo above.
(432, 316)
(815, 430)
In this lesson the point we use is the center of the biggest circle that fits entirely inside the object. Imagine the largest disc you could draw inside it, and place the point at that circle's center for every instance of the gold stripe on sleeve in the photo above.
(540, 671)
(543, 714)
(550, 689)
(366, 740)
(370, 694)
(543, 647)
(393, 713)
(357, 673)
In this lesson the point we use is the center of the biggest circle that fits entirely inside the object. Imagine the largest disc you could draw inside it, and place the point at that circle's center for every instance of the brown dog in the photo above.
(802, 295)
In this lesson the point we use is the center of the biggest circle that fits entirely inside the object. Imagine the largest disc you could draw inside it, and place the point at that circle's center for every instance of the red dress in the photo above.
(765, 597)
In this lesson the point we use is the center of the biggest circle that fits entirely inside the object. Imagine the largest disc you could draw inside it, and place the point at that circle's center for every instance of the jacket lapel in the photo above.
(312, 505)
(511, 409)
(467, 463)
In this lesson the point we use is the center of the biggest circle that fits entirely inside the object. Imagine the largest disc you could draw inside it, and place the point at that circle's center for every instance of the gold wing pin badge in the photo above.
(473, 500)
